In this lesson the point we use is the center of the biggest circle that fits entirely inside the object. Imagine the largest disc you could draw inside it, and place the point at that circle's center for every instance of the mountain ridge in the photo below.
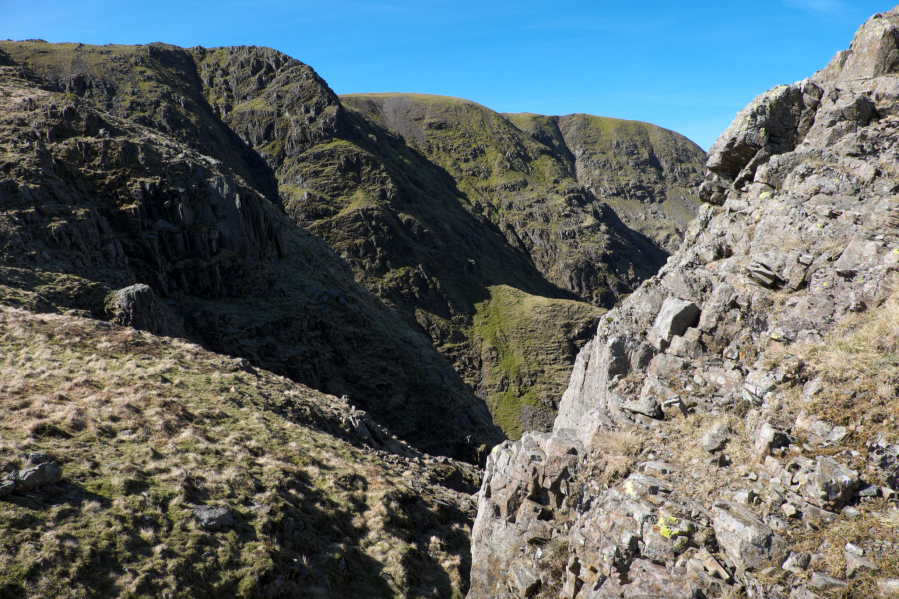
(399, 219)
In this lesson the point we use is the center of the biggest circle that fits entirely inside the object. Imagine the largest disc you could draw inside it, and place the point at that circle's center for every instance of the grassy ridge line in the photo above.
(148, 427)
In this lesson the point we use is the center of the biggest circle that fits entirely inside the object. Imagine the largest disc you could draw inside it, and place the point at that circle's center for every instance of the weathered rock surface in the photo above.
(126, 196)
(48, 473)
(799, 236)
(213, 518)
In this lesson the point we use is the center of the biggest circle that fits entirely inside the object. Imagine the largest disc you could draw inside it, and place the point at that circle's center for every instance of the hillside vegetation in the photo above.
(149, 430)
(432, 202)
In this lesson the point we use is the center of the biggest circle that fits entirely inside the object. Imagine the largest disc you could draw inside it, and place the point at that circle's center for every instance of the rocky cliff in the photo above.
(442, 209)
(126, 198)
(729, 430)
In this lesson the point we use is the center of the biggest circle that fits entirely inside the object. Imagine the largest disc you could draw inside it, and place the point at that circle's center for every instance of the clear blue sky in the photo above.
(687, 66)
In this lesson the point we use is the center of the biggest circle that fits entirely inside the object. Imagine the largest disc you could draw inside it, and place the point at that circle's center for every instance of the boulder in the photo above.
(823, 582)
(856, 563)
(675, 317)
(831, 484)
(818, 431)
(7, 487)
(745, 538)
(525, 580)
(646, 405)
(797, 562)
(213, 518)
(715, 438)
(137, 307)
(48, 473)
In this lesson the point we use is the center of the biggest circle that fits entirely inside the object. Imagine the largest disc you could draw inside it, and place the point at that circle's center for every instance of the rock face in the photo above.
(125, 196)
(451, 214)
(733, 340)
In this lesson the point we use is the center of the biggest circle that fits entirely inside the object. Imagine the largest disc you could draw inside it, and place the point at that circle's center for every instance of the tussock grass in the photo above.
(148, 428)
(616, 453)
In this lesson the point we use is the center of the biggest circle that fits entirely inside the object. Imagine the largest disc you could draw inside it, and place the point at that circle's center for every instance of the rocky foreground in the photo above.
(731, 429)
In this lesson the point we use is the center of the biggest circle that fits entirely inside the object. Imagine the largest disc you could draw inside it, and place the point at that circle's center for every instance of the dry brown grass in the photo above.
(615, 453)
(859, 365)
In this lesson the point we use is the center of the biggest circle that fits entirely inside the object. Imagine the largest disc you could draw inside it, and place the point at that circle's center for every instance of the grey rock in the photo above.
(716, 437)
(213, 518)
(850, 512)
(675, 317)
(856, 563)
(889, 586)
(525, 580)
(768, 437)
(687, 345)
(762, 274)
(816, 515)
(745, 538)
(137, 307)
(745, 497)
(646, 405)
(818, 431)
(797, 562)
(38, 458)
(48, 473)
(7, 487)
(823, 582)
(831, 484)
(867, 491)
(789, 510)
(802, 592)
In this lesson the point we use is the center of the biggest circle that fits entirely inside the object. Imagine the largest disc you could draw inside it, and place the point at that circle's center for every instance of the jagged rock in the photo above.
(646, 579)
(525, 580)
(768, 437)
(715, 438)
(818, 431)
(213, 518)
(48, 473)
(7, 487)
(136, 306)
(823, 582)
(800, 233)
(646, 405)
(747, 540)
(674, 318)
(797, 562)
(856, 563)
(831, 484)
(764, 275)
(528, 479)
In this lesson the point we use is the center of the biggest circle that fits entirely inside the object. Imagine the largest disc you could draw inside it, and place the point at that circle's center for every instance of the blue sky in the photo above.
(687, 66)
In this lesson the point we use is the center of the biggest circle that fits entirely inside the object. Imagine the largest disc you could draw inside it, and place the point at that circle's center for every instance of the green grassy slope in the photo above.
(147, 429)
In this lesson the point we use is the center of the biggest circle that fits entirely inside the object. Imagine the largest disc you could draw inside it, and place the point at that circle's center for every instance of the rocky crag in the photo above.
(451, 214)
(118, 219)
(730, 430)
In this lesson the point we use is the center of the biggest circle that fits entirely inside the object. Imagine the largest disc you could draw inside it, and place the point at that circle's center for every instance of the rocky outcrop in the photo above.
(128, 199)
(440, 212)
(749, 453)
